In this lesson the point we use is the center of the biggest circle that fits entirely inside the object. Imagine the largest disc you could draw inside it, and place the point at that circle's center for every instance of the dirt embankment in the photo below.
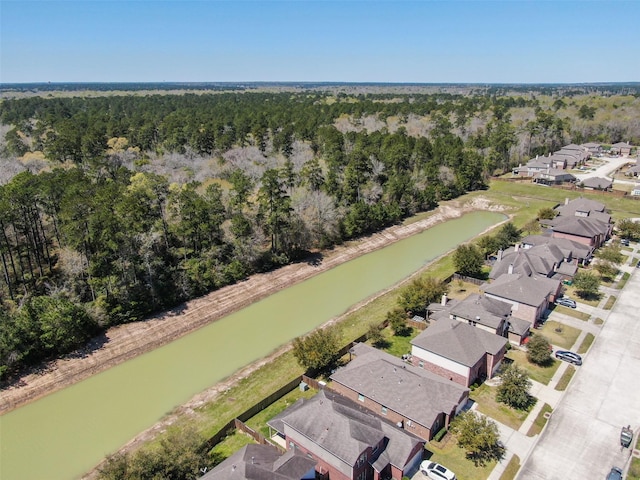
(124, 342)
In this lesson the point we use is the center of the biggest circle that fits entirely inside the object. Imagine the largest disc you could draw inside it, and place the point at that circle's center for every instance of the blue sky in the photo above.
(349, 41)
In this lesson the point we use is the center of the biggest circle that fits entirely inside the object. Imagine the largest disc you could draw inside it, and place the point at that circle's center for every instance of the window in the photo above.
(361, 397)
(361, 460)
(421, 364)
(384, 410)
(292, 445)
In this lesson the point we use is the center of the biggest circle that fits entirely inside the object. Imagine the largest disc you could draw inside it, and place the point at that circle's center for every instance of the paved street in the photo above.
(581, 440)
(610, 164)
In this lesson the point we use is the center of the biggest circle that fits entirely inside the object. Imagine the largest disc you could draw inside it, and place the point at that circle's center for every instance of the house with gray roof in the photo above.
(572, 251)
(529, 295)
(483, 312)
(580, 207)
(623, 148)
(634, 170)
(554, 176)
(264, 462)
(593, 148)
(419, 400)
(589, 231)
(458, 351)
(545, 259)
(636, 190)
(347, 441)
(597, 183)
(582, 220)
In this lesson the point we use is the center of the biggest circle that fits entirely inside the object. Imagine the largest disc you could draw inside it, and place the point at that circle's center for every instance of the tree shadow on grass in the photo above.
(481, 458)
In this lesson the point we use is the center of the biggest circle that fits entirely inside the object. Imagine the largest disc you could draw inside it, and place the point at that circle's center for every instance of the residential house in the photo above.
(636, 190)
(533, 166)
(583, 207)
(545, 259)
(491, 315)
(458, 351)
(482, 312)
(593, 148)
(262, 462)
(622, 148)
(553, 176)
(529, 295)
(347, 441)
(420, 401)
(634, 170)
(582, 220)
(573, 252)
(597, 183)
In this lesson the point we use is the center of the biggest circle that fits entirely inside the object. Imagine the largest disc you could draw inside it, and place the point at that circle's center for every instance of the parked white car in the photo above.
(436, 471)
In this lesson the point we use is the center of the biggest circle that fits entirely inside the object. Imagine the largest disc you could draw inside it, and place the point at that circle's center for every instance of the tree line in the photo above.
(99, 238)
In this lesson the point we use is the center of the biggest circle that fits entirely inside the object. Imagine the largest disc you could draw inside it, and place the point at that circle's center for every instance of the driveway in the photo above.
(581, 440)
(610, 164)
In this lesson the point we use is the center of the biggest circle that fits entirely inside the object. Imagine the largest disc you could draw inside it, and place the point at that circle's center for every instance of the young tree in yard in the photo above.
(586, 284)
(546, 214)
(539, 350)
(468, 260)
(488, 244)
(611, 254)
(374, 334)
(606, 269)
(628, 229)
(397, 318)
(479, 436)
(421, 292)
(514, 388)
(508, 235)
(318, 350)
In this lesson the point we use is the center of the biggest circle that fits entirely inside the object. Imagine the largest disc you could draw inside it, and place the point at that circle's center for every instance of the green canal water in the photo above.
(65, 434)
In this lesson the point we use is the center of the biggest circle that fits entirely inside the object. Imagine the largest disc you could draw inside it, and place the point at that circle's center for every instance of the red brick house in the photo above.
(347, 441)
(458, 351)
(419, 400)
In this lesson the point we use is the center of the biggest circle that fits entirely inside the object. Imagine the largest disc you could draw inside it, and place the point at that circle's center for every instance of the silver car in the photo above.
(570, 357)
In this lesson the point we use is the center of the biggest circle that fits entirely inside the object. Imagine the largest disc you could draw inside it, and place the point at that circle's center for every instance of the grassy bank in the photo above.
(522, 201)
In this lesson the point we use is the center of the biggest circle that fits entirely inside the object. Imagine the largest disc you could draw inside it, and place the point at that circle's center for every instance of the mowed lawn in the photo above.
(558, 334)
(536, 372)
(448, 453)
(485, 397)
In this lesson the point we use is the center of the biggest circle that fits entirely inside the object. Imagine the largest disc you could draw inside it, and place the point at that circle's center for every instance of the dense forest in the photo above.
(113, 207)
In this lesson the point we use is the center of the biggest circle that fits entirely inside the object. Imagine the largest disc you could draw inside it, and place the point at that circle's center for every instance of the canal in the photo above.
(65, 434)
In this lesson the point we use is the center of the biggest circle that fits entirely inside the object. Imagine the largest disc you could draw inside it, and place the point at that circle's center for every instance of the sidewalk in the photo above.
(516, 441)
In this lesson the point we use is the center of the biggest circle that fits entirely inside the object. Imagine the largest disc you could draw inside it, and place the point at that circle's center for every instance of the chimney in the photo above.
(510, 271)
(443, 302)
